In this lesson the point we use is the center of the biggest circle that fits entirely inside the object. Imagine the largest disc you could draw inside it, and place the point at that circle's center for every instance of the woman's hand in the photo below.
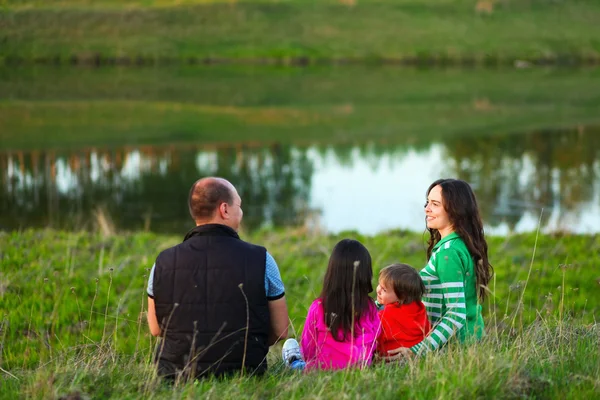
(401, 353)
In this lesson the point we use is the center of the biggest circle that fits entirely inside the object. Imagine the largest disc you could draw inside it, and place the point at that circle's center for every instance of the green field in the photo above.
(48, 108)
(300, 31)
(72, 320)
(72, 304)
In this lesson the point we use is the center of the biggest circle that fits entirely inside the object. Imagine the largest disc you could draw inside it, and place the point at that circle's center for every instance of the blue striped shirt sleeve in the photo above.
(273, 284)
(150, 288)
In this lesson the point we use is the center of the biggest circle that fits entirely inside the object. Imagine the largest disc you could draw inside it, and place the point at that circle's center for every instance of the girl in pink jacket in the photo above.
(342, 324)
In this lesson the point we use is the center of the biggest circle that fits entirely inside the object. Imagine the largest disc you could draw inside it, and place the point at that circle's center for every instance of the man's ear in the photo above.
(223, 210)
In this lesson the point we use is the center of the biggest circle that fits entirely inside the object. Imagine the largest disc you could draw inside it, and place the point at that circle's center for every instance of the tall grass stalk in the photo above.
(110, 271)
(241, 286)
(115, 334)
(101, 262)
(92, 309)
(355, 266)
(494, 313)
(163, 334)
(74, 292)
(520, 302)
(2, 334)
(140, 317)
(8, 373)
(27, 334)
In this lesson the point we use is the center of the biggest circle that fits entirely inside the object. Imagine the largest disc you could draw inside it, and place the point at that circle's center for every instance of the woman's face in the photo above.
(436, 216)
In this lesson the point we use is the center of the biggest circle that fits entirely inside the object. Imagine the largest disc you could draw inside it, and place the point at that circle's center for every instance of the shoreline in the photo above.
(428, 61)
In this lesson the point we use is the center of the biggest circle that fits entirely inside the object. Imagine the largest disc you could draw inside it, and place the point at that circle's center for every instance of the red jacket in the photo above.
(402, 326)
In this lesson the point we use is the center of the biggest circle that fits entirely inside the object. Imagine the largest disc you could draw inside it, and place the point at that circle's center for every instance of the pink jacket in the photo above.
(322, 351)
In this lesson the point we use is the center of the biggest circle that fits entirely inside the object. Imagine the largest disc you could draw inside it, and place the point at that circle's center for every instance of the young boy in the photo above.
(404, 320)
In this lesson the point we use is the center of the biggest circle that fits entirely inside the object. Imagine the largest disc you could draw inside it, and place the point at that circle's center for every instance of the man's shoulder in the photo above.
(169, 254)
(186, 244)
(254, 246)
(168, 251)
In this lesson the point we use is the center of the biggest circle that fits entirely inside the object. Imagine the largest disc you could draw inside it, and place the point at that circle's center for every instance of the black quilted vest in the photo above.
(207, 290)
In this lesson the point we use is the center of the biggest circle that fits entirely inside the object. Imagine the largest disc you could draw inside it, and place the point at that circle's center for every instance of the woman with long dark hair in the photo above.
(458, 271)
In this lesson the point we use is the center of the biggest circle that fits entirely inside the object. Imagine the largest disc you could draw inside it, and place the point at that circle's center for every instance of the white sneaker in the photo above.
(291, 352)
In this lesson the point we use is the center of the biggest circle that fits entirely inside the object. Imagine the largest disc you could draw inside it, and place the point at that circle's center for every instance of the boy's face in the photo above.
(385, 293)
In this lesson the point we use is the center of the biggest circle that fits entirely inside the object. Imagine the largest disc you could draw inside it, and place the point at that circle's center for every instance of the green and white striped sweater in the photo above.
(451, 295)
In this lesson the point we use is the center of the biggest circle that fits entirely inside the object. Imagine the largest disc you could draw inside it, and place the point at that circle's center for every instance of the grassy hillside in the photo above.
(72, 320)
(66, 107)
(300, 31)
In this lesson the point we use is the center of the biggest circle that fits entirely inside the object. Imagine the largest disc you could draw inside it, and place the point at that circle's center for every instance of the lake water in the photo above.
(333, 175)
(368, 188)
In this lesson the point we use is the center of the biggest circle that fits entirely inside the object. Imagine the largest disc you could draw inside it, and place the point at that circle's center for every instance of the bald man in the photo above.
(216, 301)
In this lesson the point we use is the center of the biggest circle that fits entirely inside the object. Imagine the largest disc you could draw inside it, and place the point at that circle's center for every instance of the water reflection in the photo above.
(369, 188)
(519, 175)
(146, 188)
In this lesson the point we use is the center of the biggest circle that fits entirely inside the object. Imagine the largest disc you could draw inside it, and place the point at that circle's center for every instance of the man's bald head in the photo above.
(206, 195)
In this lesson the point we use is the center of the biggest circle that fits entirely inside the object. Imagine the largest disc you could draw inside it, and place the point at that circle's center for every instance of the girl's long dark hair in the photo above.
(461, 205)
(346, 287)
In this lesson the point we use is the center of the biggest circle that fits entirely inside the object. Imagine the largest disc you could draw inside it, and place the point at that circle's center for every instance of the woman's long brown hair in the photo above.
(461, 205)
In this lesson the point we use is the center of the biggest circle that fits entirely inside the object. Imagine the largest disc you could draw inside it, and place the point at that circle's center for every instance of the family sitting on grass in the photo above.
(218, 302)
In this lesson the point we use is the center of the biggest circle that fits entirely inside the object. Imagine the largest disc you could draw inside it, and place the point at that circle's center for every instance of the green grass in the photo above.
(250, 31)
(536, 364)
(66, 107)
(72, 320)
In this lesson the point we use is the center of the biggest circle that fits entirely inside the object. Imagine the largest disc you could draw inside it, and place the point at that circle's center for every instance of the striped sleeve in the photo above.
(450, 291)
(273, 284)
(150, 287)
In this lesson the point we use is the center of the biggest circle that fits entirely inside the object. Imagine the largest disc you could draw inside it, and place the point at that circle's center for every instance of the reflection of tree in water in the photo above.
(373, 152)
(148, 187)
(274, 183)
(519, 173)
